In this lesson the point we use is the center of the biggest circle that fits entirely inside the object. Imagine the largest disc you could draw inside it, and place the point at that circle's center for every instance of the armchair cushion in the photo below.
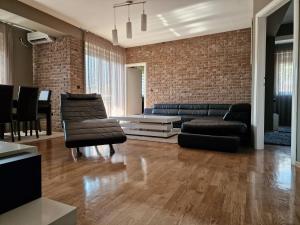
(93, 132)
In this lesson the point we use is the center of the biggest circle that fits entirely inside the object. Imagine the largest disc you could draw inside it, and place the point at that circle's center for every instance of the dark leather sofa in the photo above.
(189, 112)
(210, 126)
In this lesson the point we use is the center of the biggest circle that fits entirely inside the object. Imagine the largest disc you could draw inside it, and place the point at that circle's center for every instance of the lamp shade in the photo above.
(129, 29)
(143, 22)
(115, 36)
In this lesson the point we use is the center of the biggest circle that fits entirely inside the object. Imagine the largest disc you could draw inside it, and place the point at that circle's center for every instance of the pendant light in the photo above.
(128, 3)
(115, 31)
(143, 20)
(129, 25)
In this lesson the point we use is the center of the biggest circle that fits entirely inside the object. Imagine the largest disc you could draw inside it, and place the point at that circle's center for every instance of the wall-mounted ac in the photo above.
(36, 38)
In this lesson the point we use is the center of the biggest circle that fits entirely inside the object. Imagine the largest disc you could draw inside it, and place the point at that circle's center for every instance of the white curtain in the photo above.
(283, 72)
(105, 73)
(284, 86)
(6, 52)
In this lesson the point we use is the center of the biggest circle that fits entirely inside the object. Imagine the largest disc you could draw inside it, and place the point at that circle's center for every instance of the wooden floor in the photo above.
(159, 183)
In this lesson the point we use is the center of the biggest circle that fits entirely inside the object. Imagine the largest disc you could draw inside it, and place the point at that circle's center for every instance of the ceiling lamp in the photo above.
(115, 31)
(128, 24)
(143, 20)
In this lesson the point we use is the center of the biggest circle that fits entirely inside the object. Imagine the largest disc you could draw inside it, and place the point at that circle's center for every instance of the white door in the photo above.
(134, 91)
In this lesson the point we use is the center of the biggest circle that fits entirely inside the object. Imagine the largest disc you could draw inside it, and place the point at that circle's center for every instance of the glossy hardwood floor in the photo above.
(158, 183)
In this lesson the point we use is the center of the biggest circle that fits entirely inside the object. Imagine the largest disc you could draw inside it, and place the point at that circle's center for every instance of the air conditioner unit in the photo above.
(36, 38)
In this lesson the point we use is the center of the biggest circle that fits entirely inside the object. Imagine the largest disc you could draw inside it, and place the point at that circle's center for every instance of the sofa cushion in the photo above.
(194, 106)
(166, 106)
(170, 112)
(193, 112)
(218, 109)
(239, 112)
(214, 127)
(165, 109)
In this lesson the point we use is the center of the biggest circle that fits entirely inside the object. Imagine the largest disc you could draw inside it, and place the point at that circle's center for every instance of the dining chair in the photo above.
(44, 98)
(6, 105)
(27, 108)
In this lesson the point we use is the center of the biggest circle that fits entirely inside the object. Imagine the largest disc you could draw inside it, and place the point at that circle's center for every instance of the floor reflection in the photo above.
(284, 174)
(99, 185)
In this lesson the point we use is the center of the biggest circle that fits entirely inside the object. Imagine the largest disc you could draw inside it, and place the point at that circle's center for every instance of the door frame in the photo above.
(144, 64)
(258, 89)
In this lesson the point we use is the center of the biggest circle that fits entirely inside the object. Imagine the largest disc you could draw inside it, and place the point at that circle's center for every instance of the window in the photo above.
(5, 54)
(105, 73)
(284, 72)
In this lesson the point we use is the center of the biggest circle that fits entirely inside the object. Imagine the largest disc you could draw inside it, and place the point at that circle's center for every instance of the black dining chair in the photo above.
(27, 108)
(6, 105)
(44, 98)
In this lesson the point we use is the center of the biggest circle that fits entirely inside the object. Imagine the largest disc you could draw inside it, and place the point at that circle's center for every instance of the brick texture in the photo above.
(58, 66)
(207, 69)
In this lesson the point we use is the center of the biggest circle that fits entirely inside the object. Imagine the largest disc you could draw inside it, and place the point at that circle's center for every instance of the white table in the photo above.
(9, 149)
(42, 211)
(148, 125)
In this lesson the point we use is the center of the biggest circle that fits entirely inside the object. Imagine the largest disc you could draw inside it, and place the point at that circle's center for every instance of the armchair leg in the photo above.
(112, 150)
(12, 132)
(2, 128)
(36, 129)
(25, 127)
(78, 152)
(19, 132)
(30, 126)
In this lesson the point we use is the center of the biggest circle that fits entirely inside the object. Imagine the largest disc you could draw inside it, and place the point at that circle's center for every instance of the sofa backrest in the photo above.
(239, 112)
(194, 110)
(166, 109)
(218, 109)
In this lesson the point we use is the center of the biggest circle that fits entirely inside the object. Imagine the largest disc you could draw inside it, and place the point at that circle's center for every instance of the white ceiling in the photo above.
(22, 22)
(167, 19)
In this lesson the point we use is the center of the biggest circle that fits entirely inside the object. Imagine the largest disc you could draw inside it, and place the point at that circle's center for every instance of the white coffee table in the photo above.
(9, 149)
(148, 125)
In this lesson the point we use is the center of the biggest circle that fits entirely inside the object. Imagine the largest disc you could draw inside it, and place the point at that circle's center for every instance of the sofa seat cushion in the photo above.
(214, 126)
(93, 132)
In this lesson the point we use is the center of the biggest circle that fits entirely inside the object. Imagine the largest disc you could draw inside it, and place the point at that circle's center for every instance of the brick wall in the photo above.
(206, 69)
(58, 66)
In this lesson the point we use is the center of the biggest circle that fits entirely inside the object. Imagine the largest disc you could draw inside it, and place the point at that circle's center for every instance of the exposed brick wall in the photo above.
(207, 69)
(58, 66)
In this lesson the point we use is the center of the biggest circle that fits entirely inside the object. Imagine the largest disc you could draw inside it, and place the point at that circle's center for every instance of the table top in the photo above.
(42, 211)
(147, 118)
(8, 149)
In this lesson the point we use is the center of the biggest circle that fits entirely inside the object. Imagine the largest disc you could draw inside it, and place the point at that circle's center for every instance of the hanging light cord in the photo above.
(128, 12)
(115, 17)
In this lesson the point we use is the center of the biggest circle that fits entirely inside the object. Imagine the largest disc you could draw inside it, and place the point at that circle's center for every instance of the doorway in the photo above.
(135, 88)
(279, 76)
(258, 89)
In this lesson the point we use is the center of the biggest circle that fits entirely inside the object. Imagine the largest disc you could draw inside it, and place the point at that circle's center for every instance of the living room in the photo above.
(145, 112)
